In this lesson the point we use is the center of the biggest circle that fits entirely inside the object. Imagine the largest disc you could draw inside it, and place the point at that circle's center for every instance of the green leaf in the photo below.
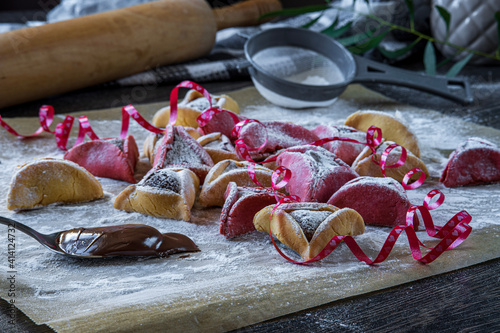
(430, 59)
(457, 67)
(400, 52)
(444, 62)
(295, 11)
(337, 32)
(311, 23)
(497, 17)
(370, 44)
(354, 39)
(446, 17)
(411, 10)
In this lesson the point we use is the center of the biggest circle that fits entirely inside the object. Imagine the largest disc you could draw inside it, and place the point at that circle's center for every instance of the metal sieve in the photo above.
(299, 68)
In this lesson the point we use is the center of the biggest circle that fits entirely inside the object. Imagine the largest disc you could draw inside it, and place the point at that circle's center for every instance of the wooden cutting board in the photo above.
(229, 284)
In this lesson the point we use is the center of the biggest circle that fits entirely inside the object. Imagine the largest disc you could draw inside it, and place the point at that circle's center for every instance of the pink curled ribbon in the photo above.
(415, 184)
(385, 154)
(452, 234)
(46, 117)
(129, 111)
(373, 140)
(63, 129)
(208, 114)
(174, 96)
(279, 178)
(241, 147)
(85, 129)
(62, 132)
(455, 231)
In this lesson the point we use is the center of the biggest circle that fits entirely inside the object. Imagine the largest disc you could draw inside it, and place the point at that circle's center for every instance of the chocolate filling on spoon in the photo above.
(123, 240)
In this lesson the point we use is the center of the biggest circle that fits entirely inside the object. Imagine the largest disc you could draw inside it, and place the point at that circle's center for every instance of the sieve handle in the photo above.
(368, 71)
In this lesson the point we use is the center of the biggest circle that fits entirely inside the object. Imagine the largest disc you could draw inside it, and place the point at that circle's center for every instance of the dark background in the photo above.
(9, 5)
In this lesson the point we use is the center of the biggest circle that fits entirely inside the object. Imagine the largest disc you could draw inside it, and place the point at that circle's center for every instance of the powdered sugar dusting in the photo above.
(199, 104)
(244, 276)
(309, 220)
(181, 153)
(378, 182)
(164, 180)
(325, 164)
(116, 141)
(235, 166)
(474, 143)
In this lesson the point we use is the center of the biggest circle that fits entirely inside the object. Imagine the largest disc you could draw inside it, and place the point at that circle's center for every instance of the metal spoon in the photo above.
(120, 240)
(49, 241)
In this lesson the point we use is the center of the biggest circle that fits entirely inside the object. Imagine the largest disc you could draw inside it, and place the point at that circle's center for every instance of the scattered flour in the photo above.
(56, 288)
(309, 220)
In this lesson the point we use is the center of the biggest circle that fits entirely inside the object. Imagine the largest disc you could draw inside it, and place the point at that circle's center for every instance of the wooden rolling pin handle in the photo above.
(59, 57)
(244, 13)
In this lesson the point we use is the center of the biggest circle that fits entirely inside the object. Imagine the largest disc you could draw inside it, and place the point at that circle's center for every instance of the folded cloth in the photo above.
(68, 9)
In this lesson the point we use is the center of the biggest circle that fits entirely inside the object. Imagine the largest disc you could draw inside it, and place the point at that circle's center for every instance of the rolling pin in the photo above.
(64, 56)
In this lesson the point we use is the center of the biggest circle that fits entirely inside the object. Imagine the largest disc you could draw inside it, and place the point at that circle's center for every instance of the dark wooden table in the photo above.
(465, 300)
